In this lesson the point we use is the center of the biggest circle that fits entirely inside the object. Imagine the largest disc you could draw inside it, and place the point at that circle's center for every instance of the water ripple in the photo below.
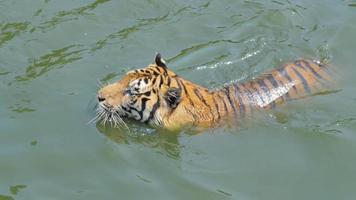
(53, 60)
(163, 142)
(254, 48)
(64, 16)
(124, 33)
(9, 30)
(197, 47)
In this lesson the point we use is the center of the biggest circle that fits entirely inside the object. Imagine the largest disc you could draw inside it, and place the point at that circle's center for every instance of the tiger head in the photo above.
(143, 94)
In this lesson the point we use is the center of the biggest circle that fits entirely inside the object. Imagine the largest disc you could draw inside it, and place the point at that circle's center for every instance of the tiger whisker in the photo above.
(103, 116)
(120, 121)
(100, 112)
(95, 119)
(105, 120)
(109, 116)
(98, 115)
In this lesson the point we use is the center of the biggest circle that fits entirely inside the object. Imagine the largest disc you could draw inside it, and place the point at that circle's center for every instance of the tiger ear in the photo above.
(159, 61)
(173, 97)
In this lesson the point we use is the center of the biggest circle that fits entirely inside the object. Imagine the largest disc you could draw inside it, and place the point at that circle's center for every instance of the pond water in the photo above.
(53, 54)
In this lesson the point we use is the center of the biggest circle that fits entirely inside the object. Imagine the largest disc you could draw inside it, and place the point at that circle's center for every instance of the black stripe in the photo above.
(257, 91)
(169, 81)
(158, 69)
(250, 100)
(134, 101)
(125, 109)
(155, 73)
(181, 85)
(266, 91)
(316, 74)
(160, 81)
(227, 92)
(274, 82)
(297, 62)
(225, 107)
(285, 74)
(153, 111)
(193, 115)
(265, 88)
(238, 94)
(147, 93)
(216, 107)
(143, 107)
(304, 82)
(250, 97)
(165, 71)
(134, 109)
(201, 98)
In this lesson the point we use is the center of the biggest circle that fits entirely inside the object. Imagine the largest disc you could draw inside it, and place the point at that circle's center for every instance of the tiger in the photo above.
(157, 96)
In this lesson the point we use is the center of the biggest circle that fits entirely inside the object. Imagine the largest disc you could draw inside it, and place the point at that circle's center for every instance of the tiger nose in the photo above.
(101, 99)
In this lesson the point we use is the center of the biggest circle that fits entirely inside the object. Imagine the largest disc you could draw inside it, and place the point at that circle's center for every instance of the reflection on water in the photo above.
(162, 141)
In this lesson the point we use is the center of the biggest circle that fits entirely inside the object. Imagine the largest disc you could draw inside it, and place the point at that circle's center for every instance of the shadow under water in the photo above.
(162, 141)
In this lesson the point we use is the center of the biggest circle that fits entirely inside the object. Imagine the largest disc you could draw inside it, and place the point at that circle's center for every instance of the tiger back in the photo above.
(156, 95)
(291, 81)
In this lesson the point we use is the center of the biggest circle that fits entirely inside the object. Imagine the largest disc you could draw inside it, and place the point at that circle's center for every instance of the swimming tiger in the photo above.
(157, 96)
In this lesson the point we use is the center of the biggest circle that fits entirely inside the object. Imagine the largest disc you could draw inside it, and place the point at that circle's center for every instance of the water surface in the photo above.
(54, 53)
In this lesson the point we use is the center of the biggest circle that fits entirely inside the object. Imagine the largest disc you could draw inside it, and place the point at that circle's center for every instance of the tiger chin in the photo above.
(155, 95)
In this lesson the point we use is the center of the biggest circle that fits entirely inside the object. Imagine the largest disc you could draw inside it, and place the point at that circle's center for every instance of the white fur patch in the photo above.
(139, 86)
(163, 61)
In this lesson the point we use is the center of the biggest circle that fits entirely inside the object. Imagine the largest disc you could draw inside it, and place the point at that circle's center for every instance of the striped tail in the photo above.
(295, 80)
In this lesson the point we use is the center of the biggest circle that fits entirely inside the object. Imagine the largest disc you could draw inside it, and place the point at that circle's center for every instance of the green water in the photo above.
(54, 53)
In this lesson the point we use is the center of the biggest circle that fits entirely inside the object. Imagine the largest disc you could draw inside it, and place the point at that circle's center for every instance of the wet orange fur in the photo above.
(200, 107)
